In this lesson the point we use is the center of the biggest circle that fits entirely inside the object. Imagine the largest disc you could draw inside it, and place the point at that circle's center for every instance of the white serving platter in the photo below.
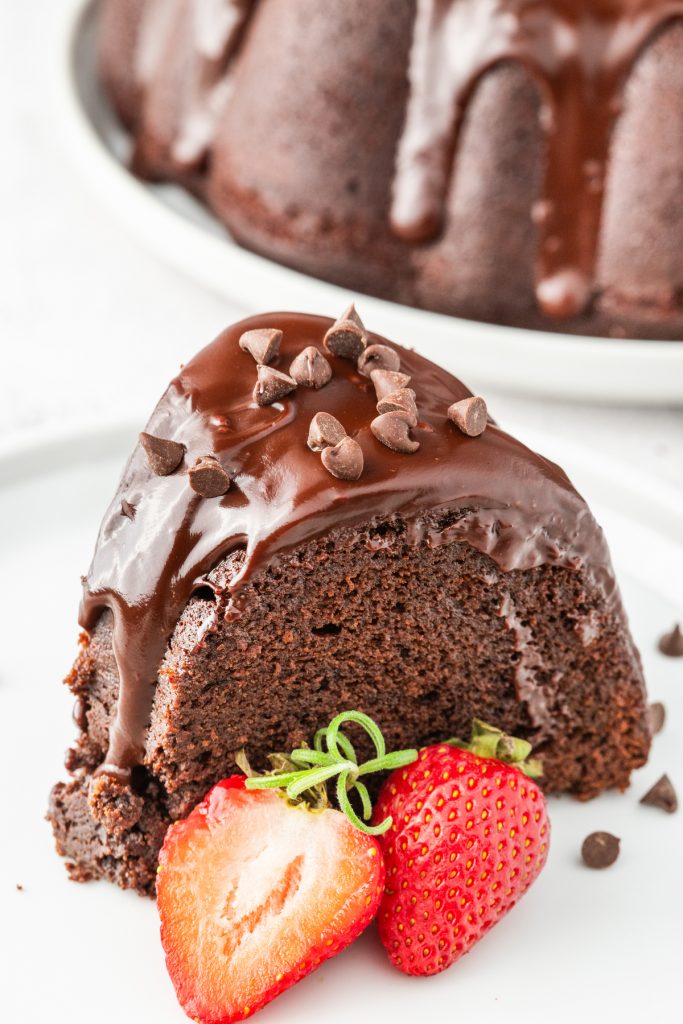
(580, 945)
(183, 233)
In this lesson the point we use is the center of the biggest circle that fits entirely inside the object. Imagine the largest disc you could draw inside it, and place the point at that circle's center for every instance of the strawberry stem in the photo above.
(333, 755)
(488, 741)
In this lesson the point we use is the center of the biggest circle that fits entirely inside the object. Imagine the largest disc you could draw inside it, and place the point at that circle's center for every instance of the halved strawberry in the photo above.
(254, 893)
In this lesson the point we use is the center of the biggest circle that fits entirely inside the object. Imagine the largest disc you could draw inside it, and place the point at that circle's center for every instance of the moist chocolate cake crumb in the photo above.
(662, 795)
(600, 850)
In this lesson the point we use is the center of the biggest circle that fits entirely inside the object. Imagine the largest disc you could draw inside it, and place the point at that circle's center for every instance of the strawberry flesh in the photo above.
(253, 894)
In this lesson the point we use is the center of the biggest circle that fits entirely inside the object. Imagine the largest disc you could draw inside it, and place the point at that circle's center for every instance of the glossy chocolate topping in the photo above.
(503, 499)
(580, 53)
(209, 31)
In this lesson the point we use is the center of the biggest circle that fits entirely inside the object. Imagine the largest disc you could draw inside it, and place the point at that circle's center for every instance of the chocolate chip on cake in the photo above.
(662, 795)
(378, 357)
(163, 456)
(271, 385)
(347, 336)
(386, 381)
(127, 509)
(325, 431)
(600, 850)
(393, 430)
(208, 478)
(671, 643)
(344, 460)
(469, 415)
(656, 714)
(263, 344)
(310, 369)
(402, 400)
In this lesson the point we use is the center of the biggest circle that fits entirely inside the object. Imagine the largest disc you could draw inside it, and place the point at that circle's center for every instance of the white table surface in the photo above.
(92, 326)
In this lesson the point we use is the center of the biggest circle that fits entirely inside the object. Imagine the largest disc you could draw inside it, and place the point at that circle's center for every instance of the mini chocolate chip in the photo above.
(163, 455)
(347, 336)
(378, 357)
(325, 431)
(600, 850)
(208, 478)
(263, 343)
(310, 368)
(656, 714)
(271, 385)
(469, 415)
(662, 795)
(344, 460)
(393, 430)
(20, 887)
(671, 643)
(386, 381)
(402, 400)
(127, 509)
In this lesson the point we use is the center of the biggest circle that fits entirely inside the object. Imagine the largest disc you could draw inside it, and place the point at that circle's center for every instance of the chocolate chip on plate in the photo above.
(310, 368)
(662, 795)
(378, 357)
(208, 478)
(263, 343)
(393, 430)
(402, 400)
(325, 431)
(656, 714)
(271, 385)
(469, 415)
(386, 381)
(163, 456)
(344, 460)
(600, 850)
(347, 337)
(127, 509)
(671, 643)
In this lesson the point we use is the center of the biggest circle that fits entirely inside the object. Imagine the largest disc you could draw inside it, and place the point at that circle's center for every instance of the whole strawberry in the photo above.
(256, 888)
(469, 835)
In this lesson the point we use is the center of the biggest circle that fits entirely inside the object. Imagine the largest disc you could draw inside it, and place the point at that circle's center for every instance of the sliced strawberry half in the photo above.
(254, 893)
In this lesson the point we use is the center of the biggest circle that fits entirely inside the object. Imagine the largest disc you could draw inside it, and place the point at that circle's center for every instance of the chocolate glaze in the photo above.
(502, 499)
(212, 31)
(579, 52)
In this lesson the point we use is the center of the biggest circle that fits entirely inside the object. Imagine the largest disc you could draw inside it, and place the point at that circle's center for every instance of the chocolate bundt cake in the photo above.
(516, 161)
(316, 519)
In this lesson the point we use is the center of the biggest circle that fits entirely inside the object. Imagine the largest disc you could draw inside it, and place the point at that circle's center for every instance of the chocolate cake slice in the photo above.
(317, 519)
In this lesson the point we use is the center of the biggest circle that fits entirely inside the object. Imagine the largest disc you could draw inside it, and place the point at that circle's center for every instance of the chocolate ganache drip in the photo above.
(201, 39)
(579, 52)
(268, 491)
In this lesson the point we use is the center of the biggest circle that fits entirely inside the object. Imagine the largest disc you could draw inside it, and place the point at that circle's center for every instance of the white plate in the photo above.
(579, 944)
(182, 232)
